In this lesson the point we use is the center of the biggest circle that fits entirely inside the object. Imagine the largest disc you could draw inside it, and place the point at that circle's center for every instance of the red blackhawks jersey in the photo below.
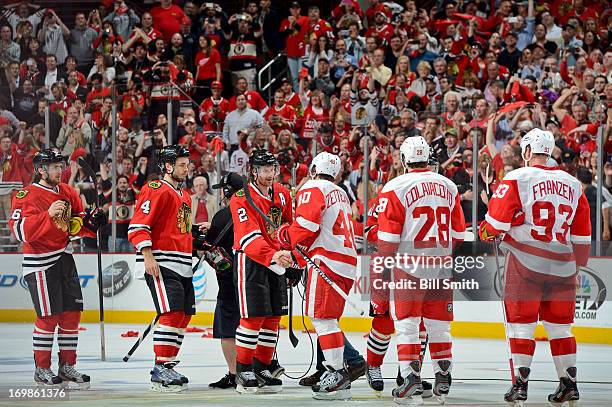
(252, 235)
(44, 238)
(546, 217)
(323, 225)
(162, 221)
(420, 212)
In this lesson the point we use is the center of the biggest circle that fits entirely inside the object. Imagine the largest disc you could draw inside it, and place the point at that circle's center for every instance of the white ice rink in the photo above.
(480, 375)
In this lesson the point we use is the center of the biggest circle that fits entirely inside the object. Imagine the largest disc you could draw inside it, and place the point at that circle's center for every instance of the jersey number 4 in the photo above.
(344, 228)
(146, 207)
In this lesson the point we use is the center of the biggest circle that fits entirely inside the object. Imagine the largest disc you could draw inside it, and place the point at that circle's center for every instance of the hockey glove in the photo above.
(294, 275)
(485, 234)
(282, 235)
(94, 218)
(75, 225)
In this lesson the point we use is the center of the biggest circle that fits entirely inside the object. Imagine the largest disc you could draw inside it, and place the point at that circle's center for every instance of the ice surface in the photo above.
(480, 374)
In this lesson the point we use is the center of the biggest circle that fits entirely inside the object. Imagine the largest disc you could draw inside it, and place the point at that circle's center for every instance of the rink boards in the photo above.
(127, 300)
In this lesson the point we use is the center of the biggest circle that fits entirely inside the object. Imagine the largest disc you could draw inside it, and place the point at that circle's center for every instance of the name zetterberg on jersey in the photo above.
(335, 196)
(422, 189)
(550, 187)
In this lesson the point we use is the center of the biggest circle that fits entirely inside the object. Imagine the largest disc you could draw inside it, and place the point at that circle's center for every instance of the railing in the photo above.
(268, 69)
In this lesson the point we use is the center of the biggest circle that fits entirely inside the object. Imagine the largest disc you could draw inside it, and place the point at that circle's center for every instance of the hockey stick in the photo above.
(501, 289)
(294, 340)
(91, 174)
(321, 273)
(141, 338)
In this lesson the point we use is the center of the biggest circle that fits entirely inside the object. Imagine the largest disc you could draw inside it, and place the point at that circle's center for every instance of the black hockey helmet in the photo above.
(170, 154)
(231, 183)
(45, 157)
(262, 158)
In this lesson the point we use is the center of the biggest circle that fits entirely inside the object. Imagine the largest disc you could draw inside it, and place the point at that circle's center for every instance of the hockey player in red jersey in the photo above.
(419, 213)
(544, 216)
(45, 215)
(161, 232)
(323, 228)
(259, 273)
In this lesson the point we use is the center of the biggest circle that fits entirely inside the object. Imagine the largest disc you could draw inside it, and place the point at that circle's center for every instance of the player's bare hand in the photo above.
(151, 266)
(283, 258)
(57, 208)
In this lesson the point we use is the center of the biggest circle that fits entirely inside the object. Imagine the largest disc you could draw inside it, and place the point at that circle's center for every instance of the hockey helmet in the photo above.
(414, 150)
(230, 183)
(325, 163)
(540, 141)
(262, 158)
(170, 154)
(45, 157)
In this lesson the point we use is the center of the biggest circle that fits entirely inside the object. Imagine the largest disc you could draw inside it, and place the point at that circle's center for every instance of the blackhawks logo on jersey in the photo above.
(155, 184)
(240, 192)
(183, 218)
(275, 216)
(62, 221)
(21, 194)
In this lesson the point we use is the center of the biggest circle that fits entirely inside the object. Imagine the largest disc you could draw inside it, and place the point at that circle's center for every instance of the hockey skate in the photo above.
(567, 392)
(334, 385)
(443, 381)
(411, 390)
(183, 378)
(276, 369)
(313, 379)
(375, 379)
(46, 378)
(517, 394)
(72, 378)
(227, 382)
(165, 380)
(427, 387)
(246, 381)
(267, 382)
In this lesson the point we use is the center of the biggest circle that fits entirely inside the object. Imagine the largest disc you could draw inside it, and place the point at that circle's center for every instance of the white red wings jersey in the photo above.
(545, 215)
(43, 241)
(420, 212)
(323, 225)
(252, 235)
(371, 228)
(162, 221)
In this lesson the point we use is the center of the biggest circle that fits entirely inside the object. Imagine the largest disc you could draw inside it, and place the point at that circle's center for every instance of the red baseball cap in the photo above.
(216, 85)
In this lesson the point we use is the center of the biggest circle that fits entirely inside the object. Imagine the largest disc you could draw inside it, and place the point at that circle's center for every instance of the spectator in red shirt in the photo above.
(381, 29)
(133, 102)
(97, 94)
(167, 18)
(253, 98)
(280, 116)
(293, 28)
(214, 109)
(195, 142)
(208, 68)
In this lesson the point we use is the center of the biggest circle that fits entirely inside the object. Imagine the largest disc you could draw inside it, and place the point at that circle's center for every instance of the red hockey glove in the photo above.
(282, 235)
(484, 234)
(518, 219)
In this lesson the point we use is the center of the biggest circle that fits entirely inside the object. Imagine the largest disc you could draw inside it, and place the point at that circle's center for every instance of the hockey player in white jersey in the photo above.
(323, 229)
(420, 214)
(544, 216)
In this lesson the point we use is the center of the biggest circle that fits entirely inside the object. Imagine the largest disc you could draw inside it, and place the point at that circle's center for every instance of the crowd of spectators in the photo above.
(454, 72)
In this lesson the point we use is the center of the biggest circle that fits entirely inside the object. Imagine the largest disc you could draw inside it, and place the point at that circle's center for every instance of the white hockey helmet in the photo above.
(325, 163)
(540, 141)
(414, 150)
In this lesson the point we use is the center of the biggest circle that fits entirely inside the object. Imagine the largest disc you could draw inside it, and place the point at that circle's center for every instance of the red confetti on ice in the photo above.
(82, 328)
(194, 329)
(129, 334)
(208, 333)
(281, 326)
(541, 339)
